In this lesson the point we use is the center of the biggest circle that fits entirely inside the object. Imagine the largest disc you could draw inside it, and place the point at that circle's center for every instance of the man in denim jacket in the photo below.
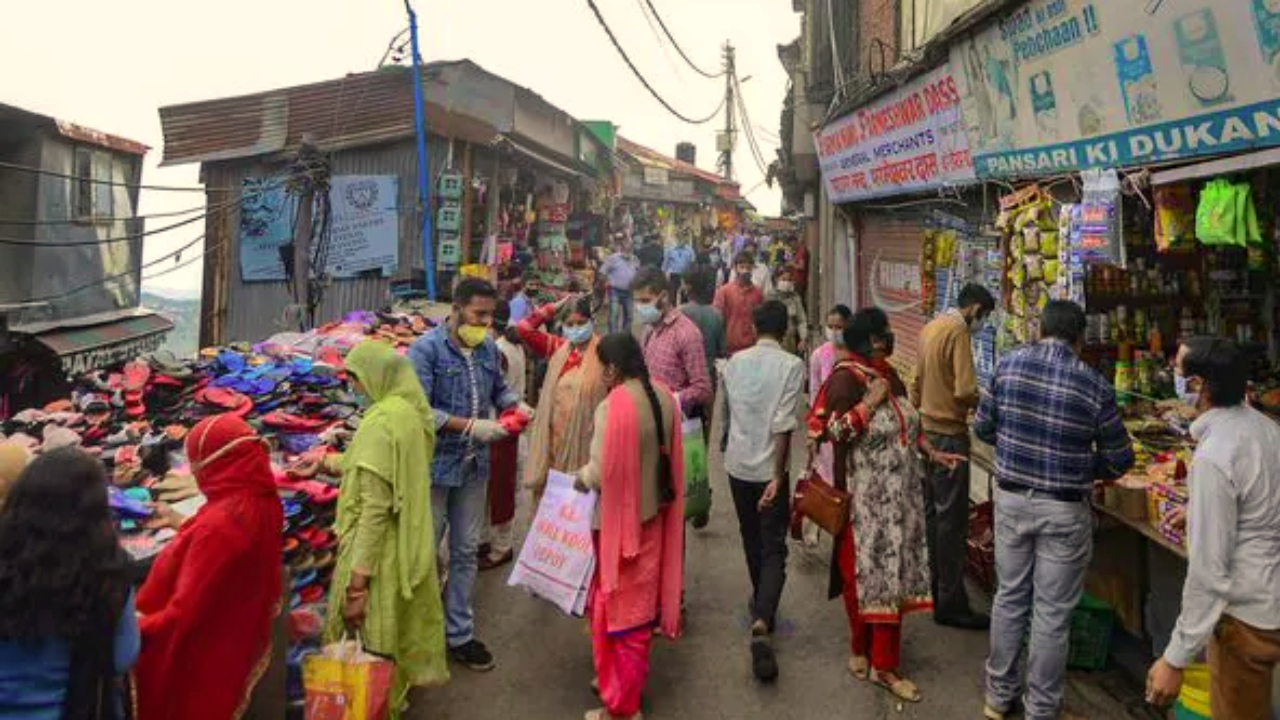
(460, 369)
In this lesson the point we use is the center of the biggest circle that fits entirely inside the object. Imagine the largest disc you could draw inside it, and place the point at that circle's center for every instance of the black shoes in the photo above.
(474, 655)
(763, 662)
(967, 621)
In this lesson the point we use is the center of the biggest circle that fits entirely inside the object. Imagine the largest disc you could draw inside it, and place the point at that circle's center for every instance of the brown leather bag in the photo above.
(828, 507)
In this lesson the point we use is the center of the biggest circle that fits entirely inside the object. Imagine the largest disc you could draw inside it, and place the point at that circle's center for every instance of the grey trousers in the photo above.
(1043, 549)
(946, 513)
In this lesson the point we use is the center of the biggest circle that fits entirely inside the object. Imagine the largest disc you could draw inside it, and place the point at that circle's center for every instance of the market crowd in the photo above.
(596, 385)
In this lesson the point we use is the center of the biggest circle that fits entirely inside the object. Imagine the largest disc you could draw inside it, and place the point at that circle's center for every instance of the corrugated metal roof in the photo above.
(79, 133)
(653, 158)
(361, 109)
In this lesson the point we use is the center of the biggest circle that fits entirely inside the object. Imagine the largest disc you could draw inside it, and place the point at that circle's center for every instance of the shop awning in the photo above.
(89, 347)
(1214, 168)
(503, 142)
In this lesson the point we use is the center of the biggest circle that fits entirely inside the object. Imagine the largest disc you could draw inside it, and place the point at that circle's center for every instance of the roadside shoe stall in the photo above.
(292, 388)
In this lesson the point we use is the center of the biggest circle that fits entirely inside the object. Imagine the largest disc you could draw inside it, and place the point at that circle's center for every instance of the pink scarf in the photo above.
(620, 525)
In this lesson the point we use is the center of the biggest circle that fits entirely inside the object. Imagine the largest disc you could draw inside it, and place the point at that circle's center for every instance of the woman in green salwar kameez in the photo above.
(385, 583)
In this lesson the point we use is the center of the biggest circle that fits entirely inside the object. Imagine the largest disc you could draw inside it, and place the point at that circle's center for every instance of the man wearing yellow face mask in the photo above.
(460, 369)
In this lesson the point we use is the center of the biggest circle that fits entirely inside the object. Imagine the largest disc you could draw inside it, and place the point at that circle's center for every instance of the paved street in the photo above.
(544, 658)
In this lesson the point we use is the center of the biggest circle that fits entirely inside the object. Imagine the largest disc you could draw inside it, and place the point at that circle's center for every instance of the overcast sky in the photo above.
(111, 65)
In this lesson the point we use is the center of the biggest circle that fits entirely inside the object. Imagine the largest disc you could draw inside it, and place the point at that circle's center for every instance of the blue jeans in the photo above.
(463, 511)
(619, 310)
(1043, 548)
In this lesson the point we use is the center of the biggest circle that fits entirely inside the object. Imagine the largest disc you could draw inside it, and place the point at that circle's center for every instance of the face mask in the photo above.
(977, 325)
(786, 286)
(648, 313)
(744, 278)
(1182, 387)
(580, 335)
(472, 335)
(835, 337)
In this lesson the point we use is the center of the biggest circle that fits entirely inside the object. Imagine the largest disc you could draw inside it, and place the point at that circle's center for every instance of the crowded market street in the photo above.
(544, 658)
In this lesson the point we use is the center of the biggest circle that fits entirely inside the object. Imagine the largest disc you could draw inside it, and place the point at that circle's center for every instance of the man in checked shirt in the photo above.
(673, 347)
(1054, 422)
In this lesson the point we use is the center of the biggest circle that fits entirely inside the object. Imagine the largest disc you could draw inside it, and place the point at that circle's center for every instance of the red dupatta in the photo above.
(207, 605)
(620, 524)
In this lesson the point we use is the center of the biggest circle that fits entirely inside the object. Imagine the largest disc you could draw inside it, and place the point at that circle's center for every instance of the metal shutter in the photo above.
(889, 273)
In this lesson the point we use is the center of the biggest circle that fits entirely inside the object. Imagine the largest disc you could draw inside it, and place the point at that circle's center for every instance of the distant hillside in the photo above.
(184, 341)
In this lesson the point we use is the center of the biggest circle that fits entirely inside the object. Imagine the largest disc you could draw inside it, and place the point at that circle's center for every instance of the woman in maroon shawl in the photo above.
(207, 606)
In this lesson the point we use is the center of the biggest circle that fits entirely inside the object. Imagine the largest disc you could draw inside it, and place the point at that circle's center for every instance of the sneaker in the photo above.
(474, 655)
(763, 662)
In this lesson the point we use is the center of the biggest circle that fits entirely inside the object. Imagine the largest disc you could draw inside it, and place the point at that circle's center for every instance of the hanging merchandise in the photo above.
(1175, 219)
(1216, 216)
(1099, 227)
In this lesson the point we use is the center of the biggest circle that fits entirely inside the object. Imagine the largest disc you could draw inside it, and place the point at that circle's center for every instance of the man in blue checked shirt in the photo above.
(460, 369)
(1056, 429)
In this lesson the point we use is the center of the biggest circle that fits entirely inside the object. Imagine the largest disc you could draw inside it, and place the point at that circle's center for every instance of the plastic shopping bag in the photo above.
(1217, 215)
(558, 556)
(697, 482)
(343, 682)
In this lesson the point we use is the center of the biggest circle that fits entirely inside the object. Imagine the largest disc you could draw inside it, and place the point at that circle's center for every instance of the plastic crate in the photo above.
(1091, 625)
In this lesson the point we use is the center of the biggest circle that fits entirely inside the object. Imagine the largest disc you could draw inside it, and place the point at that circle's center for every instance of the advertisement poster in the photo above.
(910, 140)
(363, 235)
(1063, 85)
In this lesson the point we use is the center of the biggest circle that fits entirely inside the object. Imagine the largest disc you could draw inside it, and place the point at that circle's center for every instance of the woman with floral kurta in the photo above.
(880, 563)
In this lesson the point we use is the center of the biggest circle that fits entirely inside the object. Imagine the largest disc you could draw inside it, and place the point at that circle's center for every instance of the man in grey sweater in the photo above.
(1231, 600)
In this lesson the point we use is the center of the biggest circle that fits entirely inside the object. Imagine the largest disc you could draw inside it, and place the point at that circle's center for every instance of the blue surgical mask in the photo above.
(578, 335)
(1182, 387)
(648, 313)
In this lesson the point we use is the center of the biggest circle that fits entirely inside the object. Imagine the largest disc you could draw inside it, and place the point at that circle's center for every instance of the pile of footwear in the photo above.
(292, 388)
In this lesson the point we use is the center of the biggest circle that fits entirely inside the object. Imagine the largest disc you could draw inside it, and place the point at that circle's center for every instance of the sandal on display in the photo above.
(602, 714)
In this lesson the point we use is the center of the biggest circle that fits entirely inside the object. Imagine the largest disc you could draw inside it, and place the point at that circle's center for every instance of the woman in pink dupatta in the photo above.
(637, 464)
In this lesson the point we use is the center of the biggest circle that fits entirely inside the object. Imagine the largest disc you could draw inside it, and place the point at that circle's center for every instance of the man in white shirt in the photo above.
(762, 395)
(1231, 599)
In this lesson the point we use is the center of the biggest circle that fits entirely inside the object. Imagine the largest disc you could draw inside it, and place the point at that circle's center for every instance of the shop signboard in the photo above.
(655, 176)
(99, 357)
(1064, 85)
(911, 140)
(364, 232)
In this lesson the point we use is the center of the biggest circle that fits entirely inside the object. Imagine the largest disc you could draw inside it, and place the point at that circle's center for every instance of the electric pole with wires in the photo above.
(726, 142)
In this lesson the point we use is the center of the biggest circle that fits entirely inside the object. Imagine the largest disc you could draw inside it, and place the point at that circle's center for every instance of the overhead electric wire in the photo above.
(86, 221)
(627, 59)
(56, 244)
(95, 181)
(746, 126)
(661, 43)
(176, 254)
(676, 45)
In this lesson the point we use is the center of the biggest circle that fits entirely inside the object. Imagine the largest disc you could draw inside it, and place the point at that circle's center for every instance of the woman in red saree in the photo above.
(637, 465)
(207, 606)
(880, 564)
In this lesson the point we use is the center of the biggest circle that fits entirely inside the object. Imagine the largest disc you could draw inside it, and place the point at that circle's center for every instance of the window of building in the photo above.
(92, 194)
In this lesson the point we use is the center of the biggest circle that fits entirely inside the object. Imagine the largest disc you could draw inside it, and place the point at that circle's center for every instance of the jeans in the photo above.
(1043, 548)
(462, 510)
(620, 319)
(764, 542)
(946, 512)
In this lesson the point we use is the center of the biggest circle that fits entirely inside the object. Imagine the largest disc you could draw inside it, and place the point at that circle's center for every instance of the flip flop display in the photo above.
(291, 387)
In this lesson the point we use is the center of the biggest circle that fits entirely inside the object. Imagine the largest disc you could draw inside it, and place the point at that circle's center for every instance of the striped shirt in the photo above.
(1053, 420)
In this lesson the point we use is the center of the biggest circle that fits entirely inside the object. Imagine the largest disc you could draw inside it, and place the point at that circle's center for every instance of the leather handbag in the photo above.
(827, 506)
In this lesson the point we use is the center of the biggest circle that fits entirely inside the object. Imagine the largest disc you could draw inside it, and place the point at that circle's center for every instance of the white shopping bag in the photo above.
(558, 557)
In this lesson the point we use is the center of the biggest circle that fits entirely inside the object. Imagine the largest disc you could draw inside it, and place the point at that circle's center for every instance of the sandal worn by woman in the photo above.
(603, 714)
(902, 689)
(859, 667)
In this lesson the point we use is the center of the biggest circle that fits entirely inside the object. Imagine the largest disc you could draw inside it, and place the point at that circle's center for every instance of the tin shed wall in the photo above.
(233, 310)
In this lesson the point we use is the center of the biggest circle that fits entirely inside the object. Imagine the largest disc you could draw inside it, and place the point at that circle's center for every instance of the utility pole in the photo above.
(302, 232)
(424, 166)
(726, 145)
